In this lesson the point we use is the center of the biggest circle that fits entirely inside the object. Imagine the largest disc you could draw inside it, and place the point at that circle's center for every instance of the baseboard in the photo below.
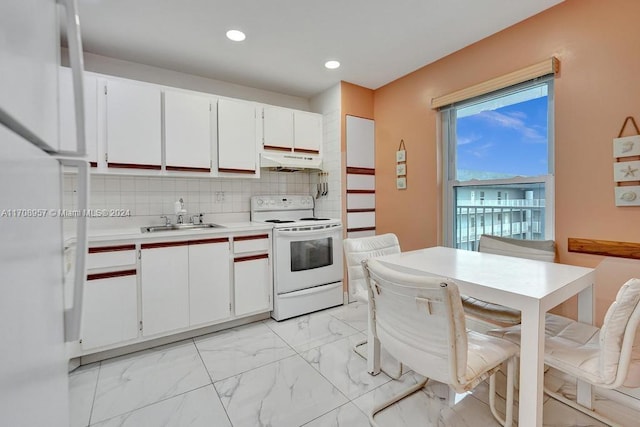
(107, 354)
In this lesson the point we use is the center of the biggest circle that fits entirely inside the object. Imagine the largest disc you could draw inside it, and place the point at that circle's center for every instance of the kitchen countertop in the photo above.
(116, 235)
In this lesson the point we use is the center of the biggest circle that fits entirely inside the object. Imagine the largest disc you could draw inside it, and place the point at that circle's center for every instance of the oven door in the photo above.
(307, 258)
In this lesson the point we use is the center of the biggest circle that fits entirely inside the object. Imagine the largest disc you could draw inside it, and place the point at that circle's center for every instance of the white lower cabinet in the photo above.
(251, 274)
(209, 280)
(172, 287)
(110, 309)
(165, 286)
(251, 284)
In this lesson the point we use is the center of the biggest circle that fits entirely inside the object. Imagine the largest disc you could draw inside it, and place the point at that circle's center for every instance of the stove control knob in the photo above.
(260, 202)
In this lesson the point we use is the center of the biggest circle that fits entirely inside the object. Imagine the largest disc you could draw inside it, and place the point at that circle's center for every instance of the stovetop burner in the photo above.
(279, 221)
(314, 219)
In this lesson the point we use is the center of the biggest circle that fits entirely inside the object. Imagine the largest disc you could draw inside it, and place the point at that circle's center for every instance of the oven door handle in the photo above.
(319, 232)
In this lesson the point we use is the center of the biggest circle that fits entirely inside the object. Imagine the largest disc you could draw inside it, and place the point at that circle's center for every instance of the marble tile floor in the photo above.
(299, 372)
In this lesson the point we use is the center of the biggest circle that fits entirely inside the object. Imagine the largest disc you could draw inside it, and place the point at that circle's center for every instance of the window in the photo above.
(500, 146)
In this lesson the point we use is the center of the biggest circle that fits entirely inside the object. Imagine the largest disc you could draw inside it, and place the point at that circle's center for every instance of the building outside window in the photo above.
(499, 146)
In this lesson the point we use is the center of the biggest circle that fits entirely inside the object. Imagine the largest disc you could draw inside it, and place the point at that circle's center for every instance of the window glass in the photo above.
(499, 168)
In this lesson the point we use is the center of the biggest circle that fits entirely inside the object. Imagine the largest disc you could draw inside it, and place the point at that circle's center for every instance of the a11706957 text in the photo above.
(64, 213)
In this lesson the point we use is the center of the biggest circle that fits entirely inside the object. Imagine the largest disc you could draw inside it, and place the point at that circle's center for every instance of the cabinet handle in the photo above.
(187, 169)
(133, 166)
(228, 170)
(250, 258)
(255, 237)
(163, 244)
(206, 241)
(276, 148)
(99, 249)
(111, 274)
(304, 150)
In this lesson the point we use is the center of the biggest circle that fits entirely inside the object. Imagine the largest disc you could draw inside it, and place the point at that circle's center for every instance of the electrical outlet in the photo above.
(220, 196)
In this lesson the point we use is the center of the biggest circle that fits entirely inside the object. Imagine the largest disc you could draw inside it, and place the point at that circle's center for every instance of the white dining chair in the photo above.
(607, 357)
(355, 251)
(482, 315)
(419, 320)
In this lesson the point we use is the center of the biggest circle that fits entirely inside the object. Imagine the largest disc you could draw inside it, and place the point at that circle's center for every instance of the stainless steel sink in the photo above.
(173, 227)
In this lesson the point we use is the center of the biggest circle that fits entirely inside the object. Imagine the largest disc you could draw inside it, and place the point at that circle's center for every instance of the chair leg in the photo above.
(394, 375)
(590, 412)
(395, 399)
(508, 420)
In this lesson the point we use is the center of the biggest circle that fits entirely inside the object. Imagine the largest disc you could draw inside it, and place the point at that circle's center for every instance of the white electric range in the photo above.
(307, 254)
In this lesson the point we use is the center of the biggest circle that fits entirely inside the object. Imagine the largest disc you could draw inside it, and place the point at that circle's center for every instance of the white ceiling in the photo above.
(288, 41)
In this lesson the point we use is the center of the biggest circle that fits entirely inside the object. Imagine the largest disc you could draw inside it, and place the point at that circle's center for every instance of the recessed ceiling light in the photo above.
(236, 35)
(332, 65)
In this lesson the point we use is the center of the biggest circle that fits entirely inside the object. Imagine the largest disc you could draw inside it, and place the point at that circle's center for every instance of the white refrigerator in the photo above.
(35, 321)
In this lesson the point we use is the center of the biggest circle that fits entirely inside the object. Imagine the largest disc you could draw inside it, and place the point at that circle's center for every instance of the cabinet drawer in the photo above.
(254, 243)
(111, 256)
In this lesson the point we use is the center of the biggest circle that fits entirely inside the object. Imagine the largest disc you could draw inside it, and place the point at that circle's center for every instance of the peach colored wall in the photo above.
(598, 86)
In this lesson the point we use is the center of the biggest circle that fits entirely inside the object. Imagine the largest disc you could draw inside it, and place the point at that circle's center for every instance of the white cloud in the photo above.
(514, 121)
(464, 140)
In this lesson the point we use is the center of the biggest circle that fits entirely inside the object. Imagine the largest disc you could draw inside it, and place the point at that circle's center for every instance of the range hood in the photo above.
(290, 162)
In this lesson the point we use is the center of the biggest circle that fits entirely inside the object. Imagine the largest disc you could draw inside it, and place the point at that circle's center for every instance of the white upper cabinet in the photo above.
(291, 130)
(307, 132)
(133, 125)
(187, 127)
(360, 134)
(68, 138)
(278, 128)
(237, 137)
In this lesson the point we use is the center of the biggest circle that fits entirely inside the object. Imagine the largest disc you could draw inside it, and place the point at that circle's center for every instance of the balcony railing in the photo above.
(537, 203)
(513, 220)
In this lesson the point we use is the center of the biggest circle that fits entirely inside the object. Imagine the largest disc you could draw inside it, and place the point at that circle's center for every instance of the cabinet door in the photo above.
(209, 281)
(308, 132)
(68, 115)
(110, 309)
(187, 127)
(133, 125)
(278, 128)
(236, 137)
(252, 284)
(165, 287)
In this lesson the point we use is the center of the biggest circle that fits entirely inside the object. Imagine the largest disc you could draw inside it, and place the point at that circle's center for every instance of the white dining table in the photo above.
(533, 287)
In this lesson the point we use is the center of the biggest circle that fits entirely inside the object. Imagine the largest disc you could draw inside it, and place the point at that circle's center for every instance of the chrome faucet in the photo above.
(167, 220)
(180, 211)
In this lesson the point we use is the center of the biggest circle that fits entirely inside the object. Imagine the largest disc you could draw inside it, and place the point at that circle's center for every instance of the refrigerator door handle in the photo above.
(73, 315)
(77, 71)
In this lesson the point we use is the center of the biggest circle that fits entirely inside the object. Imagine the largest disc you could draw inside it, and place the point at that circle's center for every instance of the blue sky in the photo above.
(508, 140)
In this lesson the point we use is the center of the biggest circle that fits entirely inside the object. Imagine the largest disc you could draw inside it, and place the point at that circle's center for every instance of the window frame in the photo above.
(448, 149)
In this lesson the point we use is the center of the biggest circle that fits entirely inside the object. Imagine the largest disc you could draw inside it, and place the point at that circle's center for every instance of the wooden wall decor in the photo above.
(605, 247)
(626, 166)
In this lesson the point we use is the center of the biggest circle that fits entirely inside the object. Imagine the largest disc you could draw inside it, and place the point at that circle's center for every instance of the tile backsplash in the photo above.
(144, 196)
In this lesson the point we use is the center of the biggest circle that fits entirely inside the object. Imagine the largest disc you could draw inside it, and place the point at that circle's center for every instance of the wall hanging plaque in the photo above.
(401, 166)
(626, 166)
